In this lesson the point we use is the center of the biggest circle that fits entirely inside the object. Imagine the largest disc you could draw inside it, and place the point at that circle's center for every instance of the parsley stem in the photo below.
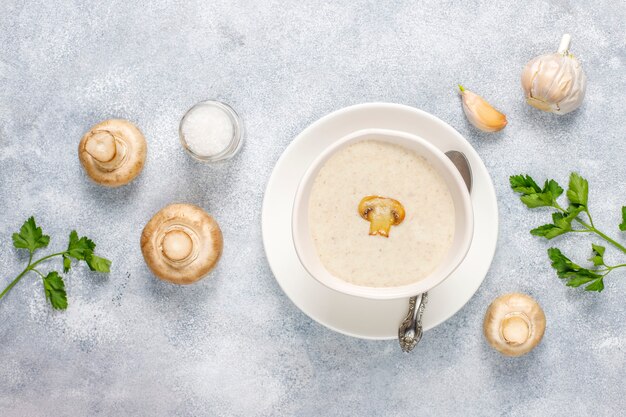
(589, 215)
(37, 271)
(15, 281)
(608, 239)
(37, 262)
(30, 267)
(592, 228)
(588, 228)
(602, 235)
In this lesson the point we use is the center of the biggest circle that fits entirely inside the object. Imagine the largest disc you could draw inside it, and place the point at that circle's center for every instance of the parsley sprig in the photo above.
(31, 238)
(569, 220)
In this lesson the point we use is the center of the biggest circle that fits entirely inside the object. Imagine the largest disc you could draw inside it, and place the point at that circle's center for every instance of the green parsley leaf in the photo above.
(622, 225)
(30, 237)
(554, 188)
(560, 262)
(574, 274)
(572, 213)
(524, 184)
(547, 230)
(597, 285)
(562, 224)
(538, 200)
(534, 196)
(598, 254)
(579, 280)
(55, 290)
(578, 190)
(80, 248)
(98, 264)
(67, 263)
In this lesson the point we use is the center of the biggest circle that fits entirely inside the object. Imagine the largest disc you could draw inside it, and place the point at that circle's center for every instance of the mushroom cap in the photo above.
(514, 324)
(181, 243)
(113, 152)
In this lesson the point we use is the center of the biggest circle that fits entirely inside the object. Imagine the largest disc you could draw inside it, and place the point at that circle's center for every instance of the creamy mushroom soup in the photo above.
(420, 229)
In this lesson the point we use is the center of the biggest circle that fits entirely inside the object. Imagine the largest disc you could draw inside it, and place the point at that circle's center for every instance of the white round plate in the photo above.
(361, 317)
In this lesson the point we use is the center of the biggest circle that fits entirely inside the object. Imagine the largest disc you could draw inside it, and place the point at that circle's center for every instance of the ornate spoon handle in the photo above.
(410, 331)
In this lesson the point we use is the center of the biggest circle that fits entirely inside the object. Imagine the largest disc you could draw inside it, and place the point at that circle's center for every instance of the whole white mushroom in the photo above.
(181, 243)
(113, 152)
(514, 324)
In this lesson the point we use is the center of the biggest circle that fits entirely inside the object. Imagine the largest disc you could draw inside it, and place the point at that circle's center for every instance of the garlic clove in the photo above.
(480, 113)
(542, 105)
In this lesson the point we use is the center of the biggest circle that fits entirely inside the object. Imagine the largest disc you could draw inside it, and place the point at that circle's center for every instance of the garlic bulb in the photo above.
(555, 83)
(480, 113)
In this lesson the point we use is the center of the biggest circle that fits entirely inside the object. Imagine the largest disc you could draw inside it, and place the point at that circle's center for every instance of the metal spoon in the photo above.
(462, 164)
(410, 331)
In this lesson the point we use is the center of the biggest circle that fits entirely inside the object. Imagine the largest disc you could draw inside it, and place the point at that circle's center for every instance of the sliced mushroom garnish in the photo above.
(514, 324)
(113, 152)
(382, 213)
(181, 243)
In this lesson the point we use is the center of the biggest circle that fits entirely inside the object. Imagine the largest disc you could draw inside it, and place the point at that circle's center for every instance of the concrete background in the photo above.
(234, 344)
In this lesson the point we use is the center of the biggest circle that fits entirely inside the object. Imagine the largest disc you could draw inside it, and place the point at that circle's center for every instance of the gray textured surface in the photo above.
(234, 344)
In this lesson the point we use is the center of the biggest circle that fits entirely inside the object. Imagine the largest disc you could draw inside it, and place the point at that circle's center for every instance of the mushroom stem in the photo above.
(108, 151)
(177, 245)
(101, 146)
(113, 152)
(515, 329)
(380, 222)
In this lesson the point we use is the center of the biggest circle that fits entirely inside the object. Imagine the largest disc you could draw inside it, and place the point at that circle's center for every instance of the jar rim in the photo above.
(235, 142)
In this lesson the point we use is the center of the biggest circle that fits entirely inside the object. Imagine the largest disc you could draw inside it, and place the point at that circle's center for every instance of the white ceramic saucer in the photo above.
(360, 317)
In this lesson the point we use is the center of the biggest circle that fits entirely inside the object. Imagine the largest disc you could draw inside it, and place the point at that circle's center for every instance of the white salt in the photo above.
(208, 130)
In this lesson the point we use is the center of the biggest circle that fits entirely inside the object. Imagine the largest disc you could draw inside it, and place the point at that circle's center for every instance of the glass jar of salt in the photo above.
(211, 131)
